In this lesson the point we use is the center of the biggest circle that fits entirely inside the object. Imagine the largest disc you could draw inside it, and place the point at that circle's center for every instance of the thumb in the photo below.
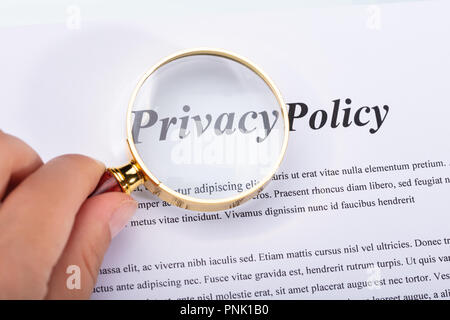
(98, 220)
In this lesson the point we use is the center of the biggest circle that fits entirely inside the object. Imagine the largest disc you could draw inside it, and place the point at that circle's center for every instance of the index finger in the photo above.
(36, 219)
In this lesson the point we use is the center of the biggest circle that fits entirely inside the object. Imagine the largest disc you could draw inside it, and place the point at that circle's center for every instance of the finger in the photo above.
(17, 162)
(99, 219)
(36, 220)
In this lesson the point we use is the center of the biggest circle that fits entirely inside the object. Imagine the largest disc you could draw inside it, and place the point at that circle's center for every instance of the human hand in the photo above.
(48, 223)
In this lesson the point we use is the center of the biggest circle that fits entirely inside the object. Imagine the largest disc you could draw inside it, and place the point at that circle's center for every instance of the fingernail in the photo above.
(121, 216)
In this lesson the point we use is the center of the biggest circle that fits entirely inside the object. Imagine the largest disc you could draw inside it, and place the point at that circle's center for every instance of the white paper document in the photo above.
(359, 208)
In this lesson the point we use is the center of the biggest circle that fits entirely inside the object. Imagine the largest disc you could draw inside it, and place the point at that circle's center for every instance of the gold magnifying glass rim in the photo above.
(167, 194)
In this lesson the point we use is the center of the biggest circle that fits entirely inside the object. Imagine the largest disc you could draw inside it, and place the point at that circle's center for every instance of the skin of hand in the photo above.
(48, 222)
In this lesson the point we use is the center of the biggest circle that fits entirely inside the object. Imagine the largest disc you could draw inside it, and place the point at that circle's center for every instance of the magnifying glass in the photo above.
(207, 130)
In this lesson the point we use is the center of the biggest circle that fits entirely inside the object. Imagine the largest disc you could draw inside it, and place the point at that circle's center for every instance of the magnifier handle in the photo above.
(121, 179)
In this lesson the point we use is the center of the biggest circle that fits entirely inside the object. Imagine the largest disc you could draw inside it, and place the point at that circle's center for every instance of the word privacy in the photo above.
(225, 123)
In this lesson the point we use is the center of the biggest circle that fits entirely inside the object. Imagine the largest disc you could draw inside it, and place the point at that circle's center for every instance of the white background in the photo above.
(66, 79)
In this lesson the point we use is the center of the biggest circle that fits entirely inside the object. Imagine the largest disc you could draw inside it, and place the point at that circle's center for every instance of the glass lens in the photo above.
(207, 126)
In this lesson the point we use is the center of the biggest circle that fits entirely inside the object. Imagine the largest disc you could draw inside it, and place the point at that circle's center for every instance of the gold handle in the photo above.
(128, 176)
(126, 179)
